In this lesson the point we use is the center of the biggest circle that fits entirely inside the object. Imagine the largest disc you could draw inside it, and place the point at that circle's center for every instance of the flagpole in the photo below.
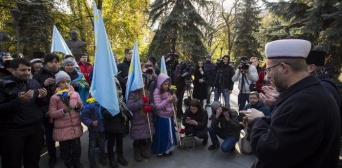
(175, 119)
(148, 118)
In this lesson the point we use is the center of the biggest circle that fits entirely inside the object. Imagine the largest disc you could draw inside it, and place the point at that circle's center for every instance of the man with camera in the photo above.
(153, 61)
(223, 80)
(171, 64)
(150, 76)
(247, 76)
(21, 117)
(225, 125)
(183, 81)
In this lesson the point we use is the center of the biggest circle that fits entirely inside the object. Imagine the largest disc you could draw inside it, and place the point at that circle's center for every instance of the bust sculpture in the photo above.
(76, 47)
(3, 37)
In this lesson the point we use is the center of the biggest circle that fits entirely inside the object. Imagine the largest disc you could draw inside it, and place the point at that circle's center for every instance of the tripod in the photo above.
(220, 88)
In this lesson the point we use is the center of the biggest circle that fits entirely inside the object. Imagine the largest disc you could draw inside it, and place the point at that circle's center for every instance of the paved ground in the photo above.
(200, 157)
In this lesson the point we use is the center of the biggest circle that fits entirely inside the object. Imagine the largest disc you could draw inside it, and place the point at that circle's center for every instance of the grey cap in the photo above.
(215, 105)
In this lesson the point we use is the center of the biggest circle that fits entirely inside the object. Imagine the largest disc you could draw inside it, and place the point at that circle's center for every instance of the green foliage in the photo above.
(125, 23)
(318, 21)
(247, 24)
(179, 30)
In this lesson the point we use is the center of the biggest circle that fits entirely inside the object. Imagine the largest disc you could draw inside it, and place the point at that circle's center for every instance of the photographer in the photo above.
(223, 82)
(171, 64)
(225, 125)
(153, 61)
(183, 80)
(150, 76)
(195, 121)
(21, 117)
(247, 76)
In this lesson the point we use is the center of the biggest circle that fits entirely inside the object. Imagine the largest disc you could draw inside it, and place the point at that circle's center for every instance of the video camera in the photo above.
(243, 65)
(219, 63)
(186, 66)
(147, 66)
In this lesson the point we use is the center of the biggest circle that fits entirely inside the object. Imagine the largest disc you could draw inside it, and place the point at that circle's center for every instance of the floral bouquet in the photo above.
(65, 96)
(90, 103)
(173, 89)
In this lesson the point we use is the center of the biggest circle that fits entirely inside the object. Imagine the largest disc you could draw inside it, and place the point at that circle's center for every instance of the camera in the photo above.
(219, 63)
(149, 71)
(243, 65)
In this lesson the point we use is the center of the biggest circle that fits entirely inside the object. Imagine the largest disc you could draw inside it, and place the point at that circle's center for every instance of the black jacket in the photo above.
(201, 117)
(199, 88)
(302, 131)
(113, 124)
(123, 69)
(15, 115)
(41, 76)
(226, 77)
(210, 71)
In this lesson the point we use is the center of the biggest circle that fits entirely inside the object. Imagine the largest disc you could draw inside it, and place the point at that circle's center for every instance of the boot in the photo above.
(145, 151)
(122, 160)
(112, 163)
(137, 155)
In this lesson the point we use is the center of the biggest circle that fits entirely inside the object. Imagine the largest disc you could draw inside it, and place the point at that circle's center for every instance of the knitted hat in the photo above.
(61, 75)
(208, 56)
(214, 106)
(67, 61)
(287, 48)
(35, 61)
(316, 57)
(49, 57)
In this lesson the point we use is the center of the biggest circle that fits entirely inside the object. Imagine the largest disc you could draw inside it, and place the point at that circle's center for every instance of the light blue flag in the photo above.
(163, 69)
(135, 80)
(96, 22)
(103, 86)
(58, 43)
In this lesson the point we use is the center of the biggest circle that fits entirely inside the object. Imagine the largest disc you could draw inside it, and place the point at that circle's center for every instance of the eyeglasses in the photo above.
(268, 70)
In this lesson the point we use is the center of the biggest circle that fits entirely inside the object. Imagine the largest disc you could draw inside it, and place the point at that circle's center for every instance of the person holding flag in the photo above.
(140, 103)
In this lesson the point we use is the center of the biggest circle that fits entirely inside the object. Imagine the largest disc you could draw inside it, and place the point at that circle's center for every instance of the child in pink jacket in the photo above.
(67, 120)
(164, 139)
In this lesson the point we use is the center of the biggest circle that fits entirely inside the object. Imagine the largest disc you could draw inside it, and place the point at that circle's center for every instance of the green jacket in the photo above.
(231, 127)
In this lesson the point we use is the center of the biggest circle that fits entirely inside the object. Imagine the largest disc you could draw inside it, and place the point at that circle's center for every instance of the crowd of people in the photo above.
(289, 104)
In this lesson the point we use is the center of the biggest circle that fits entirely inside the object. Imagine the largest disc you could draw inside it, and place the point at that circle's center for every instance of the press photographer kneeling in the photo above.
(195, 120)
(225, 125)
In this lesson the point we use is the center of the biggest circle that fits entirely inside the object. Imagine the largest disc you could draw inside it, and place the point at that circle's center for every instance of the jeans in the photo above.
(242, 98)
(208, 90)
(94, 138)
(226, 96)
(21, 146)
(229, 141)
